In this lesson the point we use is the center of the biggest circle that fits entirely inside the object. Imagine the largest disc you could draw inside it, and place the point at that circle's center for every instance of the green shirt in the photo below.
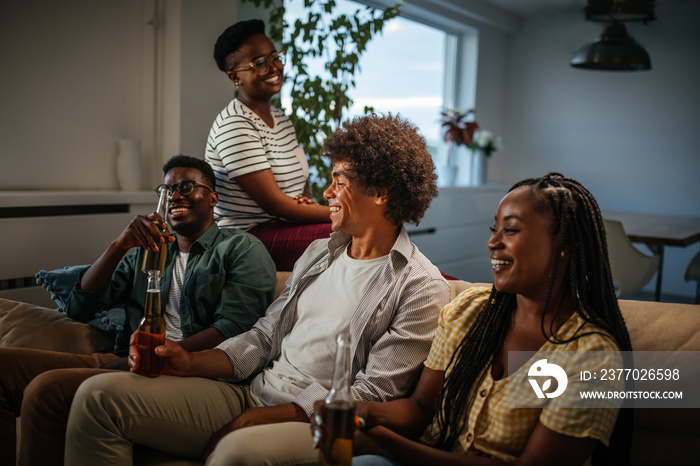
(229, 282)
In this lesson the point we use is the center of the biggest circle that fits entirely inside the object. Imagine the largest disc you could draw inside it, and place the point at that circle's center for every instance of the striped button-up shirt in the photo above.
(391, 329)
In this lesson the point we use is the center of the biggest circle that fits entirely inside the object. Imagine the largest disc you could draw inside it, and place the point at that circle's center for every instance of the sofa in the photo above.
(661, 436)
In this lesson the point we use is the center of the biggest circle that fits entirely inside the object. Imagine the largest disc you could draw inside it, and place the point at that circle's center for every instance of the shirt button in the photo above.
(482, 393)
(469, 437)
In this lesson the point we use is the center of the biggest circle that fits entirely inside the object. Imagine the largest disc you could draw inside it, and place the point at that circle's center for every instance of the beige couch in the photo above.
(661, 436)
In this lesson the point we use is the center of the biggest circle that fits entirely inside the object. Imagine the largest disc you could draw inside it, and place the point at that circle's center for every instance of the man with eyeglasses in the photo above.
(367, 279)
(216, 284)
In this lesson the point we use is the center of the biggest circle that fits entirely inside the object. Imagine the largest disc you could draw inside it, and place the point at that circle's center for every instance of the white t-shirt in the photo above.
(172, 307)
(324, 310)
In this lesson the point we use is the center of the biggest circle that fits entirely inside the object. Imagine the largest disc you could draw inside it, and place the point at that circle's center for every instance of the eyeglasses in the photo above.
(183, 187)
(261, 65)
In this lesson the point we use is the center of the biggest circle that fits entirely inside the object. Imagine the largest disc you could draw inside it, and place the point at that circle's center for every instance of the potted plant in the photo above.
(319, 100)
(463, 130)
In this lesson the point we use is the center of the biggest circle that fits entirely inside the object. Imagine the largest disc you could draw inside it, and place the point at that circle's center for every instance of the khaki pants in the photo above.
(178, 416)
(39, 386)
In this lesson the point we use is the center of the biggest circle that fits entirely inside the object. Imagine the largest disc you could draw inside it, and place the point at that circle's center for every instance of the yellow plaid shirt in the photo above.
(497, 424)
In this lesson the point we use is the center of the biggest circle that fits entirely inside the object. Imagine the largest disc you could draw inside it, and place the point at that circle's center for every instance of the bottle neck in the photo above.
(162, 208)
(163, 203)
(340, 388)
(152, 305)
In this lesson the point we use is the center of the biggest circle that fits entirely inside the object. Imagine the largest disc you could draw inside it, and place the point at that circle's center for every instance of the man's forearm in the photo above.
(206, 339)
(100, 273)
(286, 412)
(210, 363)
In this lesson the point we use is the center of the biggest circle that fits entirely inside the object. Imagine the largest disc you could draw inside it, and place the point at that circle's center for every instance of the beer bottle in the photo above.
(155, 260)
(151, 331)
(339, 410)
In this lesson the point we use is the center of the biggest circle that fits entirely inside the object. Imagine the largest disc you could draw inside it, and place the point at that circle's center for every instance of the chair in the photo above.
(631, 268)
(693, 273)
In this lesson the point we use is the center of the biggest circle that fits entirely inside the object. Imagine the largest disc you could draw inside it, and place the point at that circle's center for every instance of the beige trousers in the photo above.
(178, 416)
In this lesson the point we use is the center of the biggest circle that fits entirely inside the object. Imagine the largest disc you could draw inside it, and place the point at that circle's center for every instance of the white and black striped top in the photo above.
(241, 143)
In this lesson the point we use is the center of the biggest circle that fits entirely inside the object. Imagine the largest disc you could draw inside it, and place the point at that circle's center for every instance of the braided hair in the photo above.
(578, 227)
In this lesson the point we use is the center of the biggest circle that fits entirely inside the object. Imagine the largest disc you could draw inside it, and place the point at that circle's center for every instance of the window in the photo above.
(400, 74)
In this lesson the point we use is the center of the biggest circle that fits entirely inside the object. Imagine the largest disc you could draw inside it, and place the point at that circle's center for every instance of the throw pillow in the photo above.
(60, 284)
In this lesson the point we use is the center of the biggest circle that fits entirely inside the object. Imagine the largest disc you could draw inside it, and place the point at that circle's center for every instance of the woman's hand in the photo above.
(368, 441)
(303, 199)
(317, 420)
(263, 189)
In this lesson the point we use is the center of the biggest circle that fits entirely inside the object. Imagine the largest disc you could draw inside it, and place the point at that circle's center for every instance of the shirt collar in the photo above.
(208, 237)
(399, 255)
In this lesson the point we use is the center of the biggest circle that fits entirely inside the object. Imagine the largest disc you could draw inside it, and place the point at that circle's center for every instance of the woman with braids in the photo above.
(552, 292)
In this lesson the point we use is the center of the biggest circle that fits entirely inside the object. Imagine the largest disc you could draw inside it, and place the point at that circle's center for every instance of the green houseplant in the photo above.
(319, 101)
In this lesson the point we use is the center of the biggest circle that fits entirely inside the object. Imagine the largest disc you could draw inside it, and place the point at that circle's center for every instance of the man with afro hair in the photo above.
(248, 401)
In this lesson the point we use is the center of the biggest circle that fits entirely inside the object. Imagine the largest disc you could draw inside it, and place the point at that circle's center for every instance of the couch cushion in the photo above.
(27, 326)
(657, 326)
(281, 282)
(60, 282)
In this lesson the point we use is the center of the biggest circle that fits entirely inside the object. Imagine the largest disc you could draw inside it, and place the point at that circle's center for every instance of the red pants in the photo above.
(39, 385)
(286, 241)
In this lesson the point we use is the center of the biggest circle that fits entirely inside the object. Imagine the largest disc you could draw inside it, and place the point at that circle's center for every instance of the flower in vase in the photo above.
(462, 129)
(486, 141)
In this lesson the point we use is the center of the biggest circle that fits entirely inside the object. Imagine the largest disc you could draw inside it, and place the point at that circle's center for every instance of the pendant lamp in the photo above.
(616, 50)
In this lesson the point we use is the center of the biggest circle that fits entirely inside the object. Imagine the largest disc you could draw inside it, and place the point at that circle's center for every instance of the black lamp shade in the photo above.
(616, 51)
(620, 10)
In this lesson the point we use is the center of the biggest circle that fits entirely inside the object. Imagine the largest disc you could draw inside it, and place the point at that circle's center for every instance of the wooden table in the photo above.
(658, 231)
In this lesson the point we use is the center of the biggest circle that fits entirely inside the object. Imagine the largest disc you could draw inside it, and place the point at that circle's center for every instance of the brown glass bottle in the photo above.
(155, 260)
(151, 331)
(339, 410)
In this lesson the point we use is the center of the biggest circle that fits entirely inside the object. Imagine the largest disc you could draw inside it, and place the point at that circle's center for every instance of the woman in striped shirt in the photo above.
(262, 173)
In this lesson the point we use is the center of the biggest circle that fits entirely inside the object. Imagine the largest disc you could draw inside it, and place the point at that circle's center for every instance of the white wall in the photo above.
(628, 137)
(631, 138)
(205, 89)
(71, 86)
(78, 75)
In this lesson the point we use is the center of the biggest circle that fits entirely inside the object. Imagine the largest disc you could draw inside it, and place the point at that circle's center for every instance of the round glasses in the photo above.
(183, 187)
(261, 65)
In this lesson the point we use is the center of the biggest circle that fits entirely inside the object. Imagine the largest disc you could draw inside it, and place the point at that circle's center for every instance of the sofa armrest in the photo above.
(25, 325)
(281, 283)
